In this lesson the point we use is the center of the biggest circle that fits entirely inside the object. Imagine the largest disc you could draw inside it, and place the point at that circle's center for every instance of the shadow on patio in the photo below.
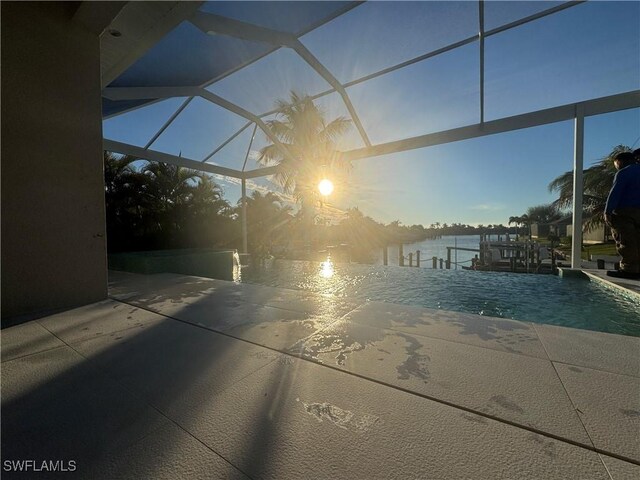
(190, 379)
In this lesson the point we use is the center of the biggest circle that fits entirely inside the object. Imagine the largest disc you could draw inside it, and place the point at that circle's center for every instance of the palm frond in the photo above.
(310, 140)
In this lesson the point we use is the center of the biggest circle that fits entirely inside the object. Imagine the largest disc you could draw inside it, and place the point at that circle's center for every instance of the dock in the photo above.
(500, 255)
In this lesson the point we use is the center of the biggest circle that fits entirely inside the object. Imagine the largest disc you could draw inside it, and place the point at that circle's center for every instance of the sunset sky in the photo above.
(588, 51)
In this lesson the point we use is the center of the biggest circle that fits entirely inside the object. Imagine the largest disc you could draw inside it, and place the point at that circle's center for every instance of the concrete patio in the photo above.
(187, 377)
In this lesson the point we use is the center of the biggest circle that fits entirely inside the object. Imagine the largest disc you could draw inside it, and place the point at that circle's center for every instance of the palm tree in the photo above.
(163, 206)
(267, 217)
(543, 213)
(207, 198)
(598, 180)
(169, 195)
(301, 128)
(123, 183)
(118, 172)
(363, 234)
(206, 218)
(520, 221)
(526, 221)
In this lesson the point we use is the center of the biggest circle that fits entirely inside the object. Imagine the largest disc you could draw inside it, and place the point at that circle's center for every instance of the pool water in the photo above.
(547, 299)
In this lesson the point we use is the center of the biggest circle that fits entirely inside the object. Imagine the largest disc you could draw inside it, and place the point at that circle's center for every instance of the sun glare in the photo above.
(326, 269)
(325, 187)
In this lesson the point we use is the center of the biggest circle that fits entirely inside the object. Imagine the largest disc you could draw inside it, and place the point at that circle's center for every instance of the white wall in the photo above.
(594, 236)
(53, 223)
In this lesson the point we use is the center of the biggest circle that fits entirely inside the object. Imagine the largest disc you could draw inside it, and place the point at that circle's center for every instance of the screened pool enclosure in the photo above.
(199, 80)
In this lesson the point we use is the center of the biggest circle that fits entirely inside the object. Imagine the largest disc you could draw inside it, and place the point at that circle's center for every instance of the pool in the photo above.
(547, 299)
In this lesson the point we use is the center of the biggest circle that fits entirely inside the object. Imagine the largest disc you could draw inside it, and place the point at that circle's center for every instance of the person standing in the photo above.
(622, 214)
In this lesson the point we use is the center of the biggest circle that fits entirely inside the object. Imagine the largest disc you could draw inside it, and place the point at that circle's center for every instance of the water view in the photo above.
(536, 298)
(437, 247)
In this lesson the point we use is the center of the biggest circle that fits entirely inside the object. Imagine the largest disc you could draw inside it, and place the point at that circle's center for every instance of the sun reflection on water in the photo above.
(326, 268)
(237, 268)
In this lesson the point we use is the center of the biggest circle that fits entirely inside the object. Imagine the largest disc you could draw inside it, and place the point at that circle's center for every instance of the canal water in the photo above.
(536, 298)
(436, 248)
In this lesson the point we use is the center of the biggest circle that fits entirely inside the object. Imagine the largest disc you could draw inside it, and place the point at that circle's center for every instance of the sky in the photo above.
(587, 51)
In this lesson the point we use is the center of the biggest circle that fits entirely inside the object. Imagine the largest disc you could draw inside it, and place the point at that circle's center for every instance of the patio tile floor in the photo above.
(488, 332)
(195, 378)
(499, 384)
(609, 406)
(608, 352)
(27, 339)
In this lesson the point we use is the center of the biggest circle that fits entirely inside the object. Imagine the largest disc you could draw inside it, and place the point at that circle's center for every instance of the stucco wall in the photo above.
(594, 236)
(53, 227)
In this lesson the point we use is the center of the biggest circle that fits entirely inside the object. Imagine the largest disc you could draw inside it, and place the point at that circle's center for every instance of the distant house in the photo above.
(540, 230)
(557, 228)
(597, 235)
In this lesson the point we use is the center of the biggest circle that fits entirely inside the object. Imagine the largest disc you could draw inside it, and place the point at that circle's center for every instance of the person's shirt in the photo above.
(626, 189)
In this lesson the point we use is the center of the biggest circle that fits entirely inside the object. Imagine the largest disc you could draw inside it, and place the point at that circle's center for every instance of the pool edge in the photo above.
(626, 290)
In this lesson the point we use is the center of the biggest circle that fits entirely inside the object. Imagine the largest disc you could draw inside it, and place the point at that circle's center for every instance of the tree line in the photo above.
(151, 206)
(154, 205)
(157, 206)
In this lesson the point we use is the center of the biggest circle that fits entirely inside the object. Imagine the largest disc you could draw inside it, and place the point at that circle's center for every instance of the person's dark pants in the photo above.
(625, 227)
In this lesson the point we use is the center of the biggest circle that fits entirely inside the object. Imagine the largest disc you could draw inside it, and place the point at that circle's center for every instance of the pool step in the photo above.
(565, 272)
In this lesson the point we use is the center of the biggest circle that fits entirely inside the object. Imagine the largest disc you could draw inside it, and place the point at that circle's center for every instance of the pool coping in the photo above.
(630, 288)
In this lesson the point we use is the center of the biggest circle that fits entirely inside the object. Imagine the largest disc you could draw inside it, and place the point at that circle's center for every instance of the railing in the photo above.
(401, 257)
(492, 255)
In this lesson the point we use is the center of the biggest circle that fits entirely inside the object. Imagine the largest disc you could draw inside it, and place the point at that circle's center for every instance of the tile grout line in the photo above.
(322, 329)
(394, 329)
(247, 303)
(451, 341)
(528, 323)
(576, 443)
(78, 340)
(605, 466)
(573, 404)
(82, 340)
(635, 377)
(287, 309)
(153, 407)
(34, 353)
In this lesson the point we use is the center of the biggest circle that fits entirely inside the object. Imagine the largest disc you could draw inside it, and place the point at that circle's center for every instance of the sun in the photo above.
(325, 187)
